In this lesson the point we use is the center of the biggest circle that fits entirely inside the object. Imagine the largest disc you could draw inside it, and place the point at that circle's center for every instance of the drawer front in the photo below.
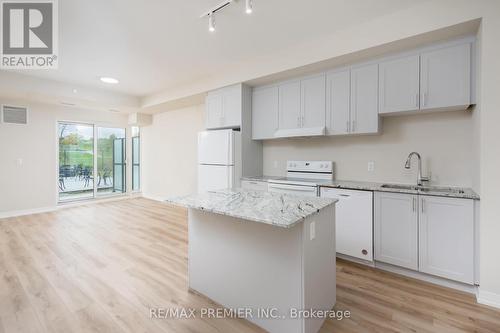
(254, 185)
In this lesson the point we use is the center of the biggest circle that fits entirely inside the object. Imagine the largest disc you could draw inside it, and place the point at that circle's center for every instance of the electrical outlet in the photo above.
(19, 162)
(371, 166)
(312, 230)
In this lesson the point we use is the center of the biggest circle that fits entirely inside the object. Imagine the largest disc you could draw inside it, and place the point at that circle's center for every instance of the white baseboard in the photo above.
(471, 289)
(16, 213)
(356, 260)
(153, 197)
(488, 298)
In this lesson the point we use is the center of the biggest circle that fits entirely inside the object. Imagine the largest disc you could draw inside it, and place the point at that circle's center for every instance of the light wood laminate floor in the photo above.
(100, 267)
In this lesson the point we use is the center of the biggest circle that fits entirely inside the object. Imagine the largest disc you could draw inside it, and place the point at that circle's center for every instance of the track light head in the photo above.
(248, 6)
(211, 22)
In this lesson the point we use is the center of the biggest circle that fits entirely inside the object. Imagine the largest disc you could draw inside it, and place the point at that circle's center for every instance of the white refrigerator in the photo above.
(219, 160)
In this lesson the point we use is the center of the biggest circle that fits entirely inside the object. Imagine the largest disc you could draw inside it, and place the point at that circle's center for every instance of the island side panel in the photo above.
(319, 265)
(239, 263)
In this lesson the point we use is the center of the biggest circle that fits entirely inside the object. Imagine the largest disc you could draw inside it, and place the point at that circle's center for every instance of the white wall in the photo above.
(33, 185)
(169, 153)
(445, 141)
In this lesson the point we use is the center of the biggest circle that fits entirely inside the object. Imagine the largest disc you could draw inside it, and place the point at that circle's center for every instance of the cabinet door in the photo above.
(231, 106)
(313, 91)
(396, 225)
(338, 87)
(364, 99)
(446, 242)
(445, 77)
(399, 84)
(264, 112)
(289, 105)
(214, 116)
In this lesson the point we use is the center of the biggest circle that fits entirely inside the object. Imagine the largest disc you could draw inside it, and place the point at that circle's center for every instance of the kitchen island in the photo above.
(270, 255)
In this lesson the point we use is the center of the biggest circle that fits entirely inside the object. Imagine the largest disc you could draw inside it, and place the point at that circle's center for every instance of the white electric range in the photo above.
(303, 178)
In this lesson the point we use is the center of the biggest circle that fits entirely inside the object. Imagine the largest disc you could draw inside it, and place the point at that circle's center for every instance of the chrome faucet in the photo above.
(420, 179)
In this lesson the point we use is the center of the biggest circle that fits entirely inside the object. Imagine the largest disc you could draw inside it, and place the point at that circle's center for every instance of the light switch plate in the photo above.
(371, 166)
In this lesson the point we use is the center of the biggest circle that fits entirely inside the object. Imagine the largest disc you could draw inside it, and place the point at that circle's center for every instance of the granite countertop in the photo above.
(282, 210)
(452, 192)
(261, 178)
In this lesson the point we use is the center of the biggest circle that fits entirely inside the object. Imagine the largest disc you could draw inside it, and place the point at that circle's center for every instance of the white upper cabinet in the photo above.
(214, 116)
(364, 99)
(446, 242)
(302, 107)
(445, 78)
(289, 105)
(399, 83)
(265, 102)
(351, 100)
(232, 106)
(396, 229)
(338, 100)
(224, 107)
(313, 91)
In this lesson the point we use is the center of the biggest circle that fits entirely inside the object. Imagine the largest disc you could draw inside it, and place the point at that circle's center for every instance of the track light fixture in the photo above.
(211, 13)
(211, 22)
(248, 6)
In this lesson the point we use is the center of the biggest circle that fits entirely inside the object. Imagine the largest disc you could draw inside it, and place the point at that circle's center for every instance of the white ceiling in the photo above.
(152, 46)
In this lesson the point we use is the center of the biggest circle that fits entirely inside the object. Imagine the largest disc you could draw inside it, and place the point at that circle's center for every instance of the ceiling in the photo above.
(152, 46)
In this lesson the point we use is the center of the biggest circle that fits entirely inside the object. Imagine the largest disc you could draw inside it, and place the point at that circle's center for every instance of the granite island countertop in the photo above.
(440, 191)
(278, 209)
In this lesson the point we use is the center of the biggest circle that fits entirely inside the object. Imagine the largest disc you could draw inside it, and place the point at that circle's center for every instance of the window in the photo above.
(91, 161)
(136, 159)
(76, 161)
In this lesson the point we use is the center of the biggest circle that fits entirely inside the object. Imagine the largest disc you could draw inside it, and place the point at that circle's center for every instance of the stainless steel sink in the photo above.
(451, 190)
(400, 187)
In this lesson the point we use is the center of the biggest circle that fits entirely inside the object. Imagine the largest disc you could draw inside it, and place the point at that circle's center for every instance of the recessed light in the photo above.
(114, 110)
(68, 104)
(75, 91)
(109, 80)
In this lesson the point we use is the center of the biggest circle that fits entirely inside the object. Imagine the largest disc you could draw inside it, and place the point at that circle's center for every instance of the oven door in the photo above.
(303, 190)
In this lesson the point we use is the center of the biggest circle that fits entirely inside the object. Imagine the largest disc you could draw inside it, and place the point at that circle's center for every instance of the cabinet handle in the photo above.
(298, 121)
(354, 125)
(425, 99)
(347, 127)
(423, 204)
(416, 100)
(302, 121)
(413, 204)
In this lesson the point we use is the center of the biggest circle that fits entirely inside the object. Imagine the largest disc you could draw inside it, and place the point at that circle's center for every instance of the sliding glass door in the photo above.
(136, 160)
(91, 161)
(76, 161)
(110, 160)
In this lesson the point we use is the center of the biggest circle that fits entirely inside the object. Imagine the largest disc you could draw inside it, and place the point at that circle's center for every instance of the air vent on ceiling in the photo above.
(14, 114)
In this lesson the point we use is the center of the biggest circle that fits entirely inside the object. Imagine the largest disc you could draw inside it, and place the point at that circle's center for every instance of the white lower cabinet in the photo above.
(434, 235)
(396, 229)
(446, 238)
